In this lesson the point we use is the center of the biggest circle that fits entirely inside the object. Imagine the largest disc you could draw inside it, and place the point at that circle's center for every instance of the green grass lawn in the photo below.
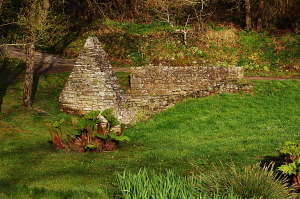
(235, 129)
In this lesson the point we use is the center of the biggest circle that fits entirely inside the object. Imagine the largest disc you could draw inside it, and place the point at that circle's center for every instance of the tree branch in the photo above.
(9, 23)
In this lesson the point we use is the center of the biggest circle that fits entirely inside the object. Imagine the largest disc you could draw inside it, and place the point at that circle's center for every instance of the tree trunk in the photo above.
(1, 3)
(248, 14)
(260, 17)
(28, 85)
(31, 37)
(32, 33)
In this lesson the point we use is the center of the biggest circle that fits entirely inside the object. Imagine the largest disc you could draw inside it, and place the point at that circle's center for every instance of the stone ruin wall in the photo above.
(92, 85)
(168, 80)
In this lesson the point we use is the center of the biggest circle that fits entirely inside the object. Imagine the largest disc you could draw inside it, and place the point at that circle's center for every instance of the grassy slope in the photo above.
(129, 44)
(231, 128)
(239, 129)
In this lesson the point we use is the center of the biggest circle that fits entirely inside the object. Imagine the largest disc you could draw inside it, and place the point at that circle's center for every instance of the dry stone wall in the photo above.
(166, 80)
(92, 85)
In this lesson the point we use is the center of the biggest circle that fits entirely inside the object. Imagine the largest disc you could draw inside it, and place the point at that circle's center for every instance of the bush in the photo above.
(250, 182)
(291, 155)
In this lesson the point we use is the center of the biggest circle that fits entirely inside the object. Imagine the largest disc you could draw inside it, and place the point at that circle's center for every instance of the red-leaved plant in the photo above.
(90, 135)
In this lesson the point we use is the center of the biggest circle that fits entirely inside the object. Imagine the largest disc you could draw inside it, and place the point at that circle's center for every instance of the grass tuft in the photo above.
(249, 182)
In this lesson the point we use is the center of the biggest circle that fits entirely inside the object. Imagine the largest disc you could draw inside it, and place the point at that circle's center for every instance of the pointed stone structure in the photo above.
(92, 85)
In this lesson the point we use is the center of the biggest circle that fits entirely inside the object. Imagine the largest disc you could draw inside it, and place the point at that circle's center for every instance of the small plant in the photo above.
(290, 151)
(86, 127)
(56, 134)
(90, 135)
(291, 155)
(141, 115)
(292, 169)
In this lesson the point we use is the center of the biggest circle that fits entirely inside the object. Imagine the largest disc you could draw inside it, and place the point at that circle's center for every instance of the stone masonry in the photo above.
(92, 85)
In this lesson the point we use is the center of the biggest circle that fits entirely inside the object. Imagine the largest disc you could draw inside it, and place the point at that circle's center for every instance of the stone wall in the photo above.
(166, 80)
(92, 85)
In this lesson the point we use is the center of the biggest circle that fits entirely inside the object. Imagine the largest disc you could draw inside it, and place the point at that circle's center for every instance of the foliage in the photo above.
(292, 168)
(250, 182)
(85, 138)
(290, 151)
(225, 182)
(18, 19)
(262, 52)
(140, 29)
(145, 184)
(56, 134)
(291, 154)
(124, 78)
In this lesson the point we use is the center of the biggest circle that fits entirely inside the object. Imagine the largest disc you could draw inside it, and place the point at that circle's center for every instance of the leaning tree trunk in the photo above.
(31, 39)
(248, 14)
(36, 19)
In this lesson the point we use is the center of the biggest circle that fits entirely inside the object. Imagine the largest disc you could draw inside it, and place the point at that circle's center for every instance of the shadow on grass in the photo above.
(12, 190)
(267, 160)
(30, 165)
(8, 75)
(277, 161)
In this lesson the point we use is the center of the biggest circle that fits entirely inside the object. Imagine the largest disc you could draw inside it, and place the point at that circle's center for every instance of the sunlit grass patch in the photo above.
(242, 129)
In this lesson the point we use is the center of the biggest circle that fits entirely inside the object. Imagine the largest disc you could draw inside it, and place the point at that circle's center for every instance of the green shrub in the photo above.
(250, 182)
(290, 151)
(291, 155)
(90, 135)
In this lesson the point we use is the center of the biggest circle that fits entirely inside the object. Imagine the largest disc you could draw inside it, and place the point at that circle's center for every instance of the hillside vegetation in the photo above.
(177, 32)
(130, 44)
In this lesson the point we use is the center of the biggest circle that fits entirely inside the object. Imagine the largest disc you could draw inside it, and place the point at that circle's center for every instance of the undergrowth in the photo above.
(130, 44)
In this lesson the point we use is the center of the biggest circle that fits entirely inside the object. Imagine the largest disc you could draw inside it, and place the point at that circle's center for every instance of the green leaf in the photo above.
(292, 168)
(103, 136)
(84, 124)
(57, 124)
(291, 149)
(92, 115)
(107, 112)
(77, 132)
(119, 138)
(112, 120)
(91, 146)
